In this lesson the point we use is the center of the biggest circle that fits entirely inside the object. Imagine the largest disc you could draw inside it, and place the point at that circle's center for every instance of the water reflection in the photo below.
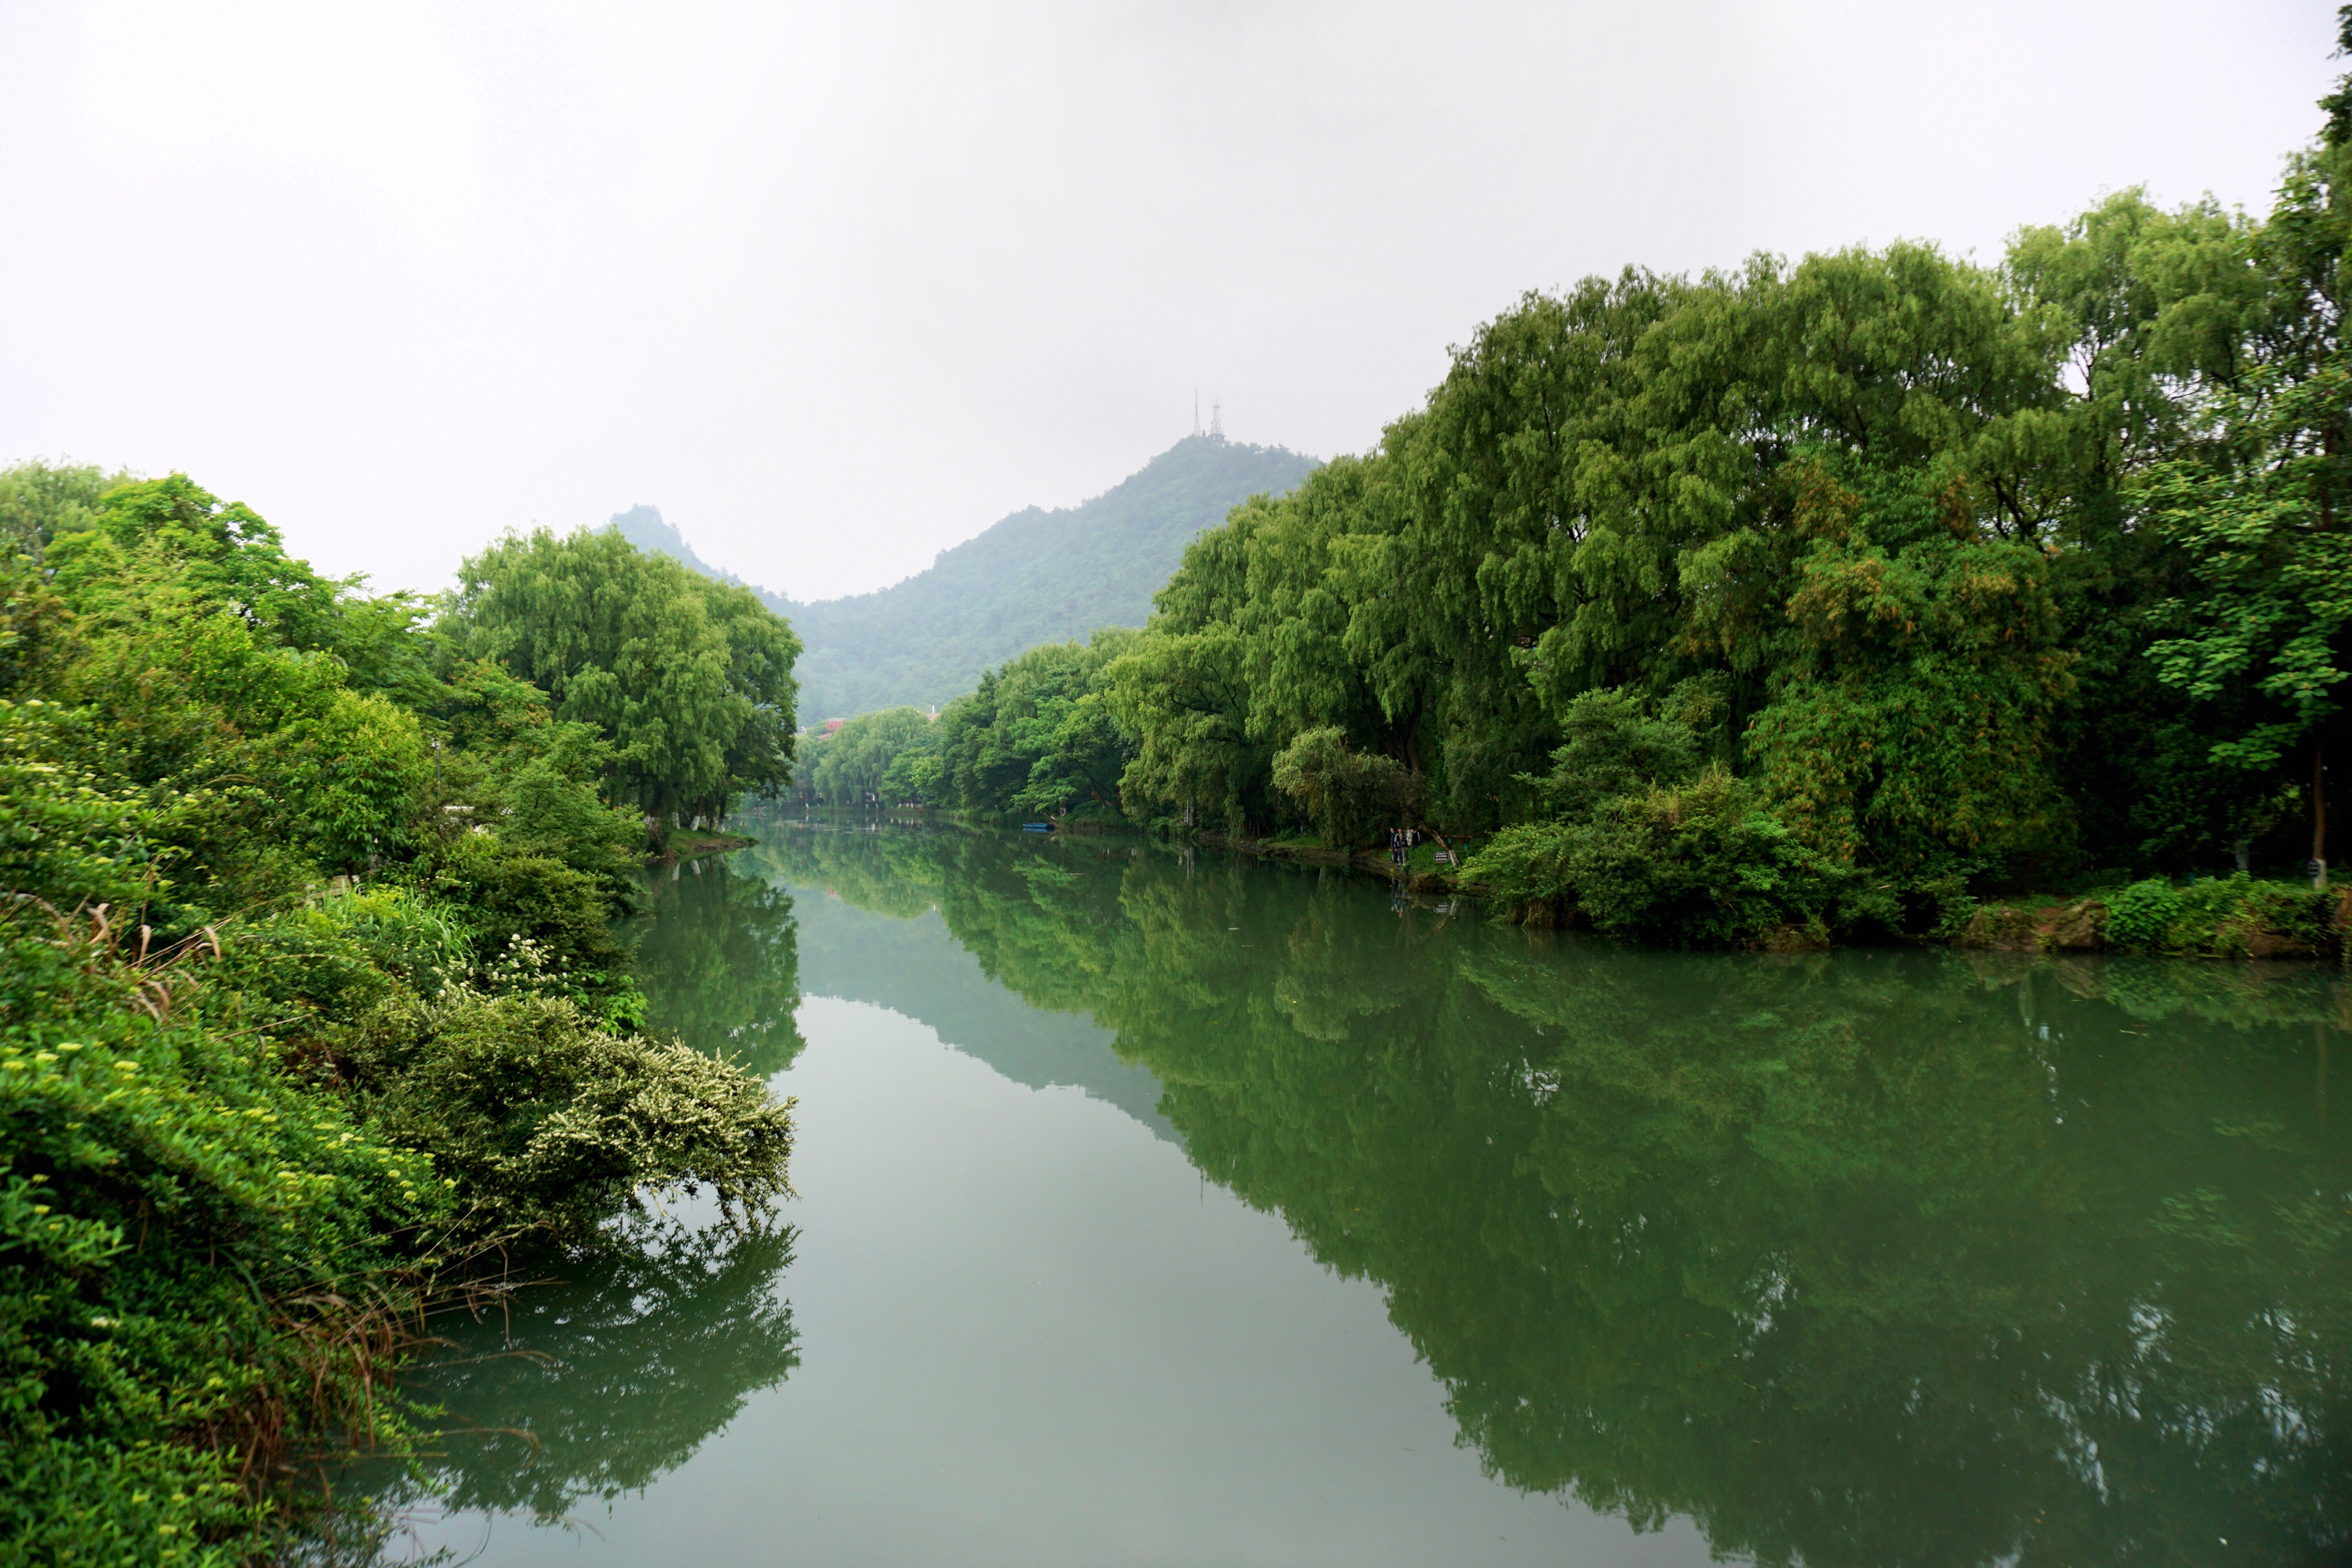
(1866, 1258)
(601, 1383)
(718, 960)
(620, 1360)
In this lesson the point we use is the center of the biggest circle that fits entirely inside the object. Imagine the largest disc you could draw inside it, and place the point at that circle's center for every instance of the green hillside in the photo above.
(1036, 576)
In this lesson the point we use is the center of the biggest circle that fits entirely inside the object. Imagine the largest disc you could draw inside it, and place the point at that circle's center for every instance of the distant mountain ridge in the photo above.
(1036, 576)
(643, 526)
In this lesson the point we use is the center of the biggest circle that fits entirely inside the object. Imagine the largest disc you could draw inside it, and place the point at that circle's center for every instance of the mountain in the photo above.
(643, 526)
(1036, 576)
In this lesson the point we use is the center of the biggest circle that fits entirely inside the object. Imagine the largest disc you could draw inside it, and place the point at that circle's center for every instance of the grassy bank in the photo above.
(2230, 917)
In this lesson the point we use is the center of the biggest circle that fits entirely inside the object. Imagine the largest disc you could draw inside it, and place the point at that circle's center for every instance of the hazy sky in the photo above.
(839, 286)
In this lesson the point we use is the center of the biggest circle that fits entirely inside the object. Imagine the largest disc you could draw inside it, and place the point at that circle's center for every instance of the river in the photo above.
(1161, 1208)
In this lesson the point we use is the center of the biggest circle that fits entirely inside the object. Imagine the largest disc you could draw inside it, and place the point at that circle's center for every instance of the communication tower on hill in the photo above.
(1216, 422)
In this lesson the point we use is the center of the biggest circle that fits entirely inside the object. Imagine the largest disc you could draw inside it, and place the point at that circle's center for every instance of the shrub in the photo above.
(419, 943)
(2235, 917)
(66, 838)
(542, 1118)
(1704, 865)
(221, 1088)
(1529, 864)
(503, 895)
(354, 769)
(185, 1227)
(2139, 916)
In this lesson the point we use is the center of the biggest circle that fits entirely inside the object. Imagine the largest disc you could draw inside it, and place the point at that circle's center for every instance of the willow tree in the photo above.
(851, 765)
(689, 680)
(1038, 735)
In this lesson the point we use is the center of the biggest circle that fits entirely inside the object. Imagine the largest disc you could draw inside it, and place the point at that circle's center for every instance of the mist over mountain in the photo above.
(1036, 576)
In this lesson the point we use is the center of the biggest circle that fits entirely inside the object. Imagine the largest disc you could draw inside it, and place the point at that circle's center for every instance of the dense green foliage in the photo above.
(1848, 1258)
(1038, 738)
(2226, 917)
(1701, 863)
(1347, 795)
(1808, 599)
(849, 765)
(309, 993)
(1034, 578)
(1947, 549)
(690, 681)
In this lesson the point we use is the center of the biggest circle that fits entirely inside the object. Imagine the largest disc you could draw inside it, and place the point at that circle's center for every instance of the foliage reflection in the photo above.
(720, 965)
(605, 1382)
(1863, 1257)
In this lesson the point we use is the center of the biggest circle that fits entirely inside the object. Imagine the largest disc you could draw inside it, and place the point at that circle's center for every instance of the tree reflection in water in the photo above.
(719, 964)
(627, 1356)
(601, 1383)
(1860, 1258)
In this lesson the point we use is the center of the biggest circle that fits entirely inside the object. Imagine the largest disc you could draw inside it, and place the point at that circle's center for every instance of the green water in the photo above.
(1164, 1209)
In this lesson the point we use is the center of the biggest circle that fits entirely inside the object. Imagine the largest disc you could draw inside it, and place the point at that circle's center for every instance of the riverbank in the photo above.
(689, 846)
(310, 1008)
(1422, 872)
(2234, 917)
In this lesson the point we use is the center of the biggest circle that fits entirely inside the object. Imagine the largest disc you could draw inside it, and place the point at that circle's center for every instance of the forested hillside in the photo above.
(1036, 577)
(1817, 598)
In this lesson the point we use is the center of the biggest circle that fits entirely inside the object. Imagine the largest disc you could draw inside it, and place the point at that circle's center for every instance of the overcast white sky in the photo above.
(839, 286)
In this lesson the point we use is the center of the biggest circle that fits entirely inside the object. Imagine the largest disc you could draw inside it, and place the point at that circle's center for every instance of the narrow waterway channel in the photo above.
(1164, 1208)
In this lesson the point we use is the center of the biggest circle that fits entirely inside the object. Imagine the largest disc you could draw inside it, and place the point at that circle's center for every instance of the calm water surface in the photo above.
(1166, 1209)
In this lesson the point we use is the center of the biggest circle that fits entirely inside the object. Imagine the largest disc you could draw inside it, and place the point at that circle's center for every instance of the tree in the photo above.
(2261, 502)
(1040, 734)
(1908, 724)
(1348, 795)
(1612, 745)
(689, 680)
(39, 501)
(218, 555)
(852, 763)
(1185, 695)
(2264, 635)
